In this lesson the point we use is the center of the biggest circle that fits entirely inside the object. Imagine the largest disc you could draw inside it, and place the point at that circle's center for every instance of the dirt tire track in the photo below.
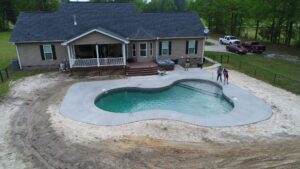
(37, 142)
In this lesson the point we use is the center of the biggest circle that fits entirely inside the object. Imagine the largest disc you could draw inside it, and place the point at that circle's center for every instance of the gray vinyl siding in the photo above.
(178, 49)
(30, 55)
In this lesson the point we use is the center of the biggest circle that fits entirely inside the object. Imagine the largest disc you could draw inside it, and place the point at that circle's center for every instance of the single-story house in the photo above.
(98, 35)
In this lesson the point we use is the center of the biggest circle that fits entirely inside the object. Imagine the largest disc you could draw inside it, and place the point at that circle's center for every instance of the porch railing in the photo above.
(93, 62)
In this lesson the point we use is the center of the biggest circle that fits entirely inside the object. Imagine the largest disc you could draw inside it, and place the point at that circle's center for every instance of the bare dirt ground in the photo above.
(34, 134)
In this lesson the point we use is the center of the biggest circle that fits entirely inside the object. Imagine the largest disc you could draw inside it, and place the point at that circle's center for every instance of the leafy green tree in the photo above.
(167, 5)
(139, 3)
(274, 20)
(152, 6)
(180, 5)
(6, 14)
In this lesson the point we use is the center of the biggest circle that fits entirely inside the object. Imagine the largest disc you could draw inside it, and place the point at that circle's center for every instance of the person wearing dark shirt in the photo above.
(219, 73)
(225, 73)
(187, 63)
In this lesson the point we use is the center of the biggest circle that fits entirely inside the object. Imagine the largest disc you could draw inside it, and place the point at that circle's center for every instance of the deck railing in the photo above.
(94, 62)
(111, 61)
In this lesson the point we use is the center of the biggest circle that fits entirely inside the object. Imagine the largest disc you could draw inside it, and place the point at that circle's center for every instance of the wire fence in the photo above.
(261, 73)
(4, 75)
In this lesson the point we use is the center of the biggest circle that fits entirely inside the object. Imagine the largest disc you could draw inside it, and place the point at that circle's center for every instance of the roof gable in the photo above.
(98, 30)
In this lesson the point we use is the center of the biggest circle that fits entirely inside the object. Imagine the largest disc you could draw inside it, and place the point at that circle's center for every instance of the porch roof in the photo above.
(99, 30)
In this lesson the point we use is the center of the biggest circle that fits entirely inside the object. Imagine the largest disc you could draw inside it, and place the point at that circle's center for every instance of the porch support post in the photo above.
(124, 53)
(20, 64)
(69, 55)
(157, 46)
(203, 45)
(97, 53)
(73, 52)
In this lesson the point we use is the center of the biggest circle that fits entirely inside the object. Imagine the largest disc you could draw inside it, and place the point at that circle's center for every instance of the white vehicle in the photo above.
(229, 40)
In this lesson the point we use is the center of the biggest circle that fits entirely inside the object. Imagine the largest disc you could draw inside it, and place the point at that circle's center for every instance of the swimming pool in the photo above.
(239, 107)
(193, 97)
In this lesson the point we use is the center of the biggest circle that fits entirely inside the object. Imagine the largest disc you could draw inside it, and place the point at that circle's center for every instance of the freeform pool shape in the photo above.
(79, 102)
(189, 97)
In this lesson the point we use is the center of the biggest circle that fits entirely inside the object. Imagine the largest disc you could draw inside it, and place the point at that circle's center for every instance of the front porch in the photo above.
(96, 55)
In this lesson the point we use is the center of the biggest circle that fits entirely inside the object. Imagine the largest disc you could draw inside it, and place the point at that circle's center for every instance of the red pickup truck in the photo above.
(236, 48)
(254, 47)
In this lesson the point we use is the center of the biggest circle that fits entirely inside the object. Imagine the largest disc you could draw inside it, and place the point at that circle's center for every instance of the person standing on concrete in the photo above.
(225, 73)
(219, 73)
(187, 63)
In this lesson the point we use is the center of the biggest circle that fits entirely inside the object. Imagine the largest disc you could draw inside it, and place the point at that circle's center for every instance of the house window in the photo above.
(192, 47)
(48, 54)
(165, 47)
(143, 49)
(133, 50)
(151, 49)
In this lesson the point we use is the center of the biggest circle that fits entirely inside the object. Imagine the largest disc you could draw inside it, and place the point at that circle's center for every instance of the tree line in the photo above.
(10, 9)
(276, 21)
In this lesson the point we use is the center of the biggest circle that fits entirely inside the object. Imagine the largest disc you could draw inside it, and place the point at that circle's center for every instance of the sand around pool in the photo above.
(284, 122)
(35, 135)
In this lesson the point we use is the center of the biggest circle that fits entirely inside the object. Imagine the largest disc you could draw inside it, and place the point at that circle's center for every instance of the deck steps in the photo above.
(141, 71)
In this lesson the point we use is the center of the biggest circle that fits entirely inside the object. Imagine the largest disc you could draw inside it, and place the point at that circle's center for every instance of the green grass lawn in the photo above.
(280, 73)
(7, 50)
(7, 53)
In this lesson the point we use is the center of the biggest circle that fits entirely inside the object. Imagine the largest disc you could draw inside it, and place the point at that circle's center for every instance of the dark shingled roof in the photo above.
(120, 18)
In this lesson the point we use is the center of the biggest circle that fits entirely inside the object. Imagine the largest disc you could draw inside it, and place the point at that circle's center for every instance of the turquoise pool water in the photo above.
(188, 97)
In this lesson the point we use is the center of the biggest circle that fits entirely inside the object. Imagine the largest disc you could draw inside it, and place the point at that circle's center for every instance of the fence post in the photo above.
(221, 58)
(6, 71)
(255, 72)
(274, 80)
(240, 66)
(227, 58)
(1, 77)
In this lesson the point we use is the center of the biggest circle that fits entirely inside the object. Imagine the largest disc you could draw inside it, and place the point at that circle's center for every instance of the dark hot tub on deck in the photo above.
(166, 64)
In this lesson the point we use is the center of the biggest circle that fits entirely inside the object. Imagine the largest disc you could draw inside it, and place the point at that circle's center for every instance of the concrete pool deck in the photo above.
(78, 103)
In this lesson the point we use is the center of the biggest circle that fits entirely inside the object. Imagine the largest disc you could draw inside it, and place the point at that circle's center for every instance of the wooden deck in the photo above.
(141, 68)
(131, 69)
(142, 65)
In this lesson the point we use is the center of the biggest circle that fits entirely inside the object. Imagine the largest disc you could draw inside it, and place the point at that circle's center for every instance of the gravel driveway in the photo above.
(217, 47)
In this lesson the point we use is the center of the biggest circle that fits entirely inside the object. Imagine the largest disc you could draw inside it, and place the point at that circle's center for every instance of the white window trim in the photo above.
(143, 49)
(151, 49)
(194, 52)
(44, 53)
(162, 50)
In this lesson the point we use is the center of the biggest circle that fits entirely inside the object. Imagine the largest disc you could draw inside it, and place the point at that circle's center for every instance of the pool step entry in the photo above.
(203, 91)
